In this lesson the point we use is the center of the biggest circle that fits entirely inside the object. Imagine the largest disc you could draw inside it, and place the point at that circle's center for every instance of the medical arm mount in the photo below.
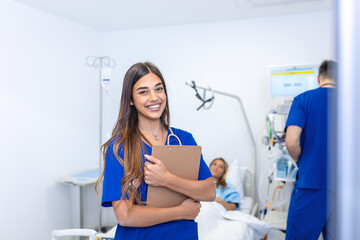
(206, 88)
(203, 98)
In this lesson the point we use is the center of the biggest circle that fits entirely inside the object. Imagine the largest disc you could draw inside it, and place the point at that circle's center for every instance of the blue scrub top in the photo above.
(229, 194)
(114, 171)
(309, 111)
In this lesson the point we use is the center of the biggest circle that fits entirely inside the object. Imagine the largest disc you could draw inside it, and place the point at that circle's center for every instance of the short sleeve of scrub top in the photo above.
(297, 115)
(113, 174)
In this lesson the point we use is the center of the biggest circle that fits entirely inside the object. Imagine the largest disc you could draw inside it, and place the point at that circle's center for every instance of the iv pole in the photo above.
(101, 62)
(244, 115)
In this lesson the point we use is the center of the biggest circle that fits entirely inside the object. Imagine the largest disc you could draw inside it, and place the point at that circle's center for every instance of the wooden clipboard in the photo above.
(183, 161)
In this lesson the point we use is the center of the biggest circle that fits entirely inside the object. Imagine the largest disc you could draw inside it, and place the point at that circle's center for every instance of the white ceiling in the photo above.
(111, 15)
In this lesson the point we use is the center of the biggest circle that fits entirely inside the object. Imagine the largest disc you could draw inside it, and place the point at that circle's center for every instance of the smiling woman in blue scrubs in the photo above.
(143, 121)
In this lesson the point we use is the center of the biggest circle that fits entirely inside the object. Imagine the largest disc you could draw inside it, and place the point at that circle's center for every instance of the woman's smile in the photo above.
(149, 97)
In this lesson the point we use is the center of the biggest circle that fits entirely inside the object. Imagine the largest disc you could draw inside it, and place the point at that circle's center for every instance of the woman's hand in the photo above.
(219, 200)
(155, 173)
(227, 205)
(190, 209)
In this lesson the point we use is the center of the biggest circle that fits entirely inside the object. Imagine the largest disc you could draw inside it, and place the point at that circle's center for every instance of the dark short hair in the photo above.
(328, 69)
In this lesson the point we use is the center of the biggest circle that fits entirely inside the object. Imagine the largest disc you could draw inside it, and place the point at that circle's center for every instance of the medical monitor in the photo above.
(288, 81)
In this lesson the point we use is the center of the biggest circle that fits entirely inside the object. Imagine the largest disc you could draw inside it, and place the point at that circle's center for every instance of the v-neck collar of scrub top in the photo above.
(171, 140)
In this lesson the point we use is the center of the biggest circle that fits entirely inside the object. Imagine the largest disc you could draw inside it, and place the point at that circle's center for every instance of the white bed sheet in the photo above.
(246, 205)
(214, 222)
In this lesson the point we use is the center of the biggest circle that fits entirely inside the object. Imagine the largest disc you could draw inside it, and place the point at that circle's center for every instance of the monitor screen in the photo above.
(286, 82)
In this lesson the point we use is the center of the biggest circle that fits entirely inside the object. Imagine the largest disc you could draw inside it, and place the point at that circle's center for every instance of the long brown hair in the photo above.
(221, 181)
(126, 132)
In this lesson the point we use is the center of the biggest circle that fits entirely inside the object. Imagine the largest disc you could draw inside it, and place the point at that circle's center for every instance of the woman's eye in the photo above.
(142, 92)
(159, 89)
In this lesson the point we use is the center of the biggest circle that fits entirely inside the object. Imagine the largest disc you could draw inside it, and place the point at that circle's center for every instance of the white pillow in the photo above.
(236, 177)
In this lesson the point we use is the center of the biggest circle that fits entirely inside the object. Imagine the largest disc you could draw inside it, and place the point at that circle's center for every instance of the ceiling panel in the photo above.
(111, 15)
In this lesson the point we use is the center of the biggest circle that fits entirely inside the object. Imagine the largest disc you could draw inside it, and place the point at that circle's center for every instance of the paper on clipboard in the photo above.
(183, 161)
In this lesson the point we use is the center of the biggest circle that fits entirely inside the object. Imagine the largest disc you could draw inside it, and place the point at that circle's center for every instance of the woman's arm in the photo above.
(156, 174)
(143, 216)
(227, 205)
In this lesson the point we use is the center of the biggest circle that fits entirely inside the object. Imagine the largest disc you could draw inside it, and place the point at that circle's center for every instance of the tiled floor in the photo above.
(278, 235)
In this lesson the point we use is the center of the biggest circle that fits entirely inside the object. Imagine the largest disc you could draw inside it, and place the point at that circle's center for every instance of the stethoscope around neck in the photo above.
(171, 134)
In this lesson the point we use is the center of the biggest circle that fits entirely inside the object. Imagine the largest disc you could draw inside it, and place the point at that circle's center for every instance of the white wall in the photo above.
(49, 117)
(49, 97)
(229, 56)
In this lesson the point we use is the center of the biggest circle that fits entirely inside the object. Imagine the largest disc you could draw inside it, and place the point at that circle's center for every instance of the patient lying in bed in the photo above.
(225, 218)
(226, 194)
(215, 222)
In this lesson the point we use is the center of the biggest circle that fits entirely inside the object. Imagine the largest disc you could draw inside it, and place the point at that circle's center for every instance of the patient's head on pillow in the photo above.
(219, 168)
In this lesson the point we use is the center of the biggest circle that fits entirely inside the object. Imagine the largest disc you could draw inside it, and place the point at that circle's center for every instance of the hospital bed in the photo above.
(214, 222)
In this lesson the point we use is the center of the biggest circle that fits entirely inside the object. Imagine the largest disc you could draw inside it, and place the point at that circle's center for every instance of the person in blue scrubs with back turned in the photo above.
(307, 142)
(143, 121)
